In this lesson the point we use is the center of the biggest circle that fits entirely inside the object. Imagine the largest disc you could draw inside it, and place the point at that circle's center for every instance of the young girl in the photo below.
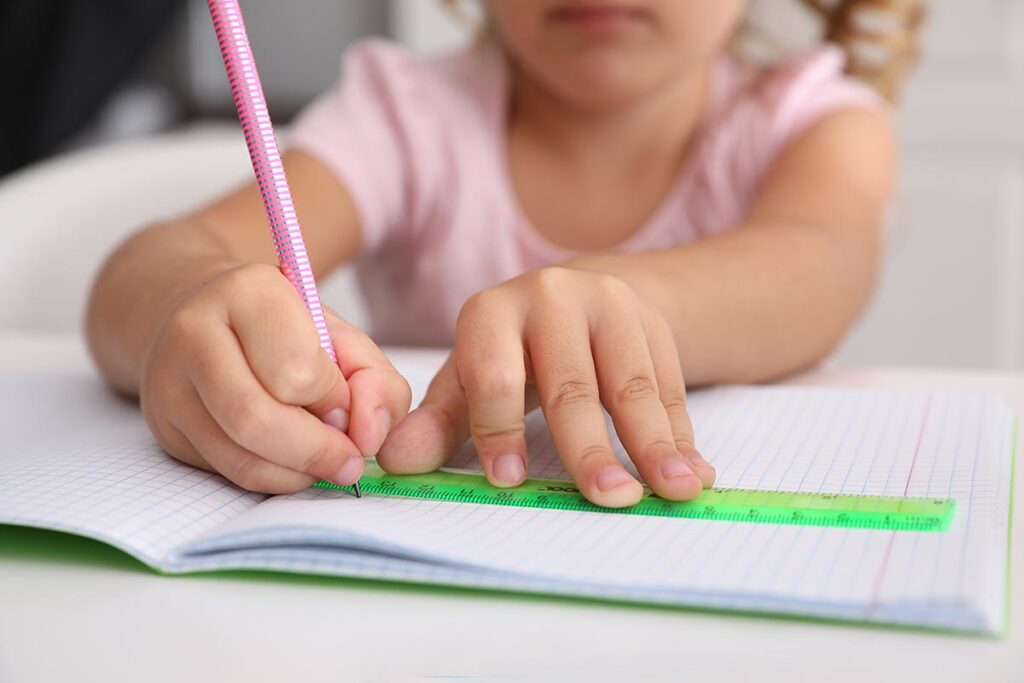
(589, 204)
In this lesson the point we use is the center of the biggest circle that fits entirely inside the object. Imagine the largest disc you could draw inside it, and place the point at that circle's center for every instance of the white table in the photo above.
(73, 609)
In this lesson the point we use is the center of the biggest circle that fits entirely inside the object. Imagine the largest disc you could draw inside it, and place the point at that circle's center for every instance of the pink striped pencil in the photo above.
(266, 162)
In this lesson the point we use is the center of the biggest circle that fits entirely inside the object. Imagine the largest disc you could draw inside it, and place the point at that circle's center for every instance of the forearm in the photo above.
(757, 302)
(138, 287)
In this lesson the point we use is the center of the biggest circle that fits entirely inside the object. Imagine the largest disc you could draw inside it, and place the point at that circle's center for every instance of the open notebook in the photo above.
(77, 459)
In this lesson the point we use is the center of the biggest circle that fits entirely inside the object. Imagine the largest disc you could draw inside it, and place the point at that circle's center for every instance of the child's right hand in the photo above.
(236, 382)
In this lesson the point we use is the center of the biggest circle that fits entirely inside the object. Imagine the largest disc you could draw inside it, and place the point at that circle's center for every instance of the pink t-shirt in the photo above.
(419, 143)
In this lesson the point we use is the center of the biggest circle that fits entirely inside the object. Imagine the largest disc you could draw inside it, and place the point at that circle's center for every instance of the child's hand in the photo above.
(236, 382)
(572, 340)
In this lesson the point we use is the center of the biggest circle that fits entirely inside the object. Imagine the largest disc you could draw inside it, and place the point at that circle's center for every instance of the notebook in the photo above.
(78, 459)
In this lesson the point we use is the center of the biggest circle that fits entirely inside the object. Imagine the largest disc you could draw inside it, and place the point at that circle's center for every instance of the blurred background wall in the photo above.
(953, 290)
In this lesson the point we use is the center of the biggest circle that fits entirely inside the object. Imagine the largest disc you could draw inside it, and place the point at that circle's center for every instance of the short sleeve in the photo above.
(361, 130)
(807, 89)
(756, 115)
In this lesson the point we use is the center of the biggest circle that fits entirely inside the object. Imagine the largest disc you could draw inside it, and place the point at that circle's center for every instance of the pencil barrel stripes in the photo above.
(247, 91)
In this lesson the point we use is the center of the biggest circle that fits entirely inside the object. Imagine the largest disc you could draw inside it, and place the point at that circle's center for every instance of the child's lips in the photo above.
(597, 17)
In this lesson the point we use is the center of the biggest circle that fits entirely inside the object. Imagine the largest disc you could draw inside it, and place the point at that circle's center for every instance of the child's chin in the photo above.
(595, 86)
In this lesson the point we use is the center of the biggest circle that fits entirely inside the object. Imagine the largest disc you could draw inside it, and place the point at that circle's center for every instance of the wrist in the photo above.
(137, 289)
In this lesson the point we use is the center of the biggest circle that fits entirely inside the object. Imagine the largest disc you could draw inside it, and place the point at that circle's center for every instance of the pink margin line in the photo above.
(876, 586)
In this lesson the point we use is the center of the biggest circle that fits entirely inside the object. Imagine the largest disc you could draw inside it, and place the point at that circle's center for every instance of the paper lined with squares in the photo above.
(79, 459)
(102, 476)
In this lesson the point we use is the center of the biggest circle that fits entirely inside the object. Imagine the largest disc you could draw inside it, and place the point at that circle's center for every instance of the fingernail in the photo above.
(349, 473)
(383, 422)
(337, 418)
(675, 468)
(612, 477)
(696, 458)
(509, 468)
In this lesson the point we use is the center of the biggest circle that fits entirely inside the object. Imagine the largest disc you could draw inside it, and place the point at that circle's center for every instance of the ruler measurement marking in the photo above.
(732, 505)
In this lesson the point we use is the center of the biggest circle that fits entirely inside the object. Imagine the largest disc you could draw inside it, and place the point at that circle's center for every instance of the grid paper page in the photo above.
(76, 458)
(833, 440)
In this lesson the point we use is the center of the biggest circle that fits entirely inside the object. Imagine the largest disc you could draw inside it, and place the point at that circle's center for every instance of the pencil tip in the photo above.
(359, 492)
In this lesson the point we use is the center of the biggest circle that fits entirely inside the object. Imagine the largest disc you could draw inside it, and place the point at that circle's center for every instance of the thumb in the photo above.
(333, 408)
(432, 433)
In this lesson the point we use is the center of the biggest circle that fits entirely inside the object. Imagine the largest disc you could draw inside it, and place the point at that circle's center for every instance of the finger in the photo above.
(629, 389)
(177, 445)
(432, 433)
(205, 440)
(180, 447)
(559, 344)
(162, 389)
(672, 391)
(236, 466)
(334, 408)
(492, 372)
(283, 434)
(380, 396)
(282, 347)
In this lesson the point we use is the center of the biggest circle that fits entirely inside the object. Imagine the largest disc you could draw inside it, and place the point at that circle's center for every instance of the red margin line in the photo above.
(876, 586)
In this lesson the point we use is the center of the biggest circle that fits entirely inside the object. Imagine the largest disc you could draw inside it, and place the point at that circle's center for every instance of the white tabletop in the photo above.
(73, 609)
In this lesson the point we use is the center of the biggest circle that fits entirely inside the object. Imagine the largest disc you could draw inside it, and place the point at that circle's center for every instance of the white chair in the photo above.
(63, 216)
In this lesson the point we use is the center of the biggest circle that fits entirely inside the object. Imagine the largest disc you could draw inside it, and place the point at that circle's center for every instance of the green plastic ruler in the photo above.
(730, 505)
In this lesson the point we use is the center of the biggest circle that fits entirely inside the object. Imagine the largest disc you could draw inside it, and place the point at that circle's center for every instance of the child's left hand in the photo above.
(571, 341)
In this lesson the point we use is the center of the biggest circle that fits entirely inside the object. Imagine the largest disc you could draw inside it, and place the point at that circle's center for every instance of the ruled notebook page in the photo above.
(802, 439)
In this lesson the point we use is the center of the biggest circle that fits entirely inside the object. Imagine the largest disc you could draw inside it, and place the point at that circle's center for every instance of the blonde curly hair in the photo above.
(880, 37)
